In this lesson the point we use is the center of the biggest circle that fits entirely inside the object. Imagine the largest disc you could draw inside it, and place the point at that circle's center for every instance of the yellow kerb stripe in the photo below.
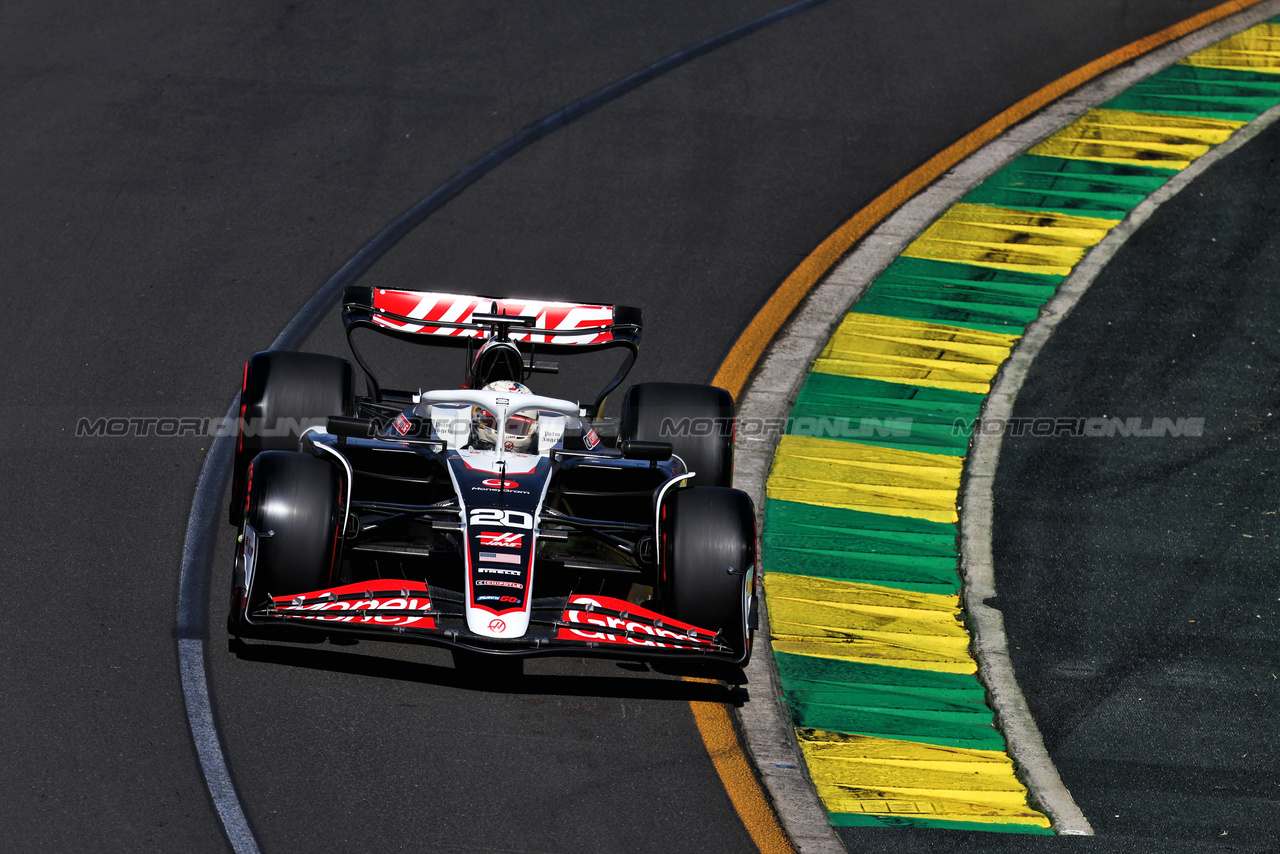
(1010, 239)
(915, 352)
(1255, 49)
(1141, 139)
(851, 621)
(881, 776)
(831, 473)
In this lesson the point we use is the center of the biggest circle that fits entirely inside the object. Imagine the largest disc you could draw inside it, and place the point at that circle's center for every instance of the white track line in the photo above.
(193, 584)
(195, 690)
(777, 379)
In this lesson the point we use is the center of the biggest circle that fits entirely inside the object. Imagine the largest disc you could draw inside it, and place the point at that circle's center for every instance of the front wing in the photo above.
(578, 624)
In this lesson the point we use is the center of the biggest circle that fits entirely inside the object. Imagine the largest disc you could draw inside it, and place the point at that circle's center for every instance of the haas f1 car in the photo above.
(490, 519)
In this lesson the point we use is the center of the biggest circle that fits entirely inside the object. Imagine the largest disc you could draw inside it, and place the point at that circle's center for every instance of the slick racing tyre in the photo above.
(708, 561)
(283, 394)
(295, 509)
(696, 419)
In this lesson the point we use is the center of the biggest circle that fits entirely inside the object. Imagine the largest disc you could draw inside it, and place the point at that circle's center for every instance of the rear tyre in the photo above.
(708, 561)
(279, 386)
(294, 505)
(696, 419)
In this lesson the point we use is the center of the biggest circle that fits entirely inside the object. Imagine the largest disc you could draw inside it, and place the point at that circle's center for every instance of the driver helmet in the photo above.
(521, 429)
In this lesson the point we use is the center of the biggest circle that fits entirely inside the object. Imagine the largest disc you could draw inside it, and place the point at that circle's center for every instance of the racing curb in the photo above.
(776, 379)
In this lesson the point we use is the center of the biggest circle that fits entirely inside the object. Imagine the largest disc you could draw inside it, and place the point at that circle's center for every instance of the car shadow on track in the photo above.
(660, 682)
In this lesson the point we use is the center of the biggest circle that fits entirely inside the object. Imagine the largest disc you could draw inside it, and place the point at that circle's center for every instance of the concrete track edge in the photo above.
(776, 380)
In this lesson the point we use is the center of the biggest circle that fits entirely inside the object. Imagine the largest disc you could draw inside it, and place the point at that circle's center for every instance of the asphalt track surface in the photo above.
(179, 180)
(1138, 575)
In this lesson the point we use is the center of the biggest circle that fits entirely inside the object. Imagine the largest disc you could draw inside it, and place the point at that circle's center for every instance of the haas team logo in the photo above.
(497, 626)
(505, 540)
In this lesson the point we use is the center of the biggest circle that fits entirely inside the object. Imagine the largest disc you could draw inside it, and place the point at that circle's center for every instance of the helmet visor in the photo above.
(521, 426)
(518, 426)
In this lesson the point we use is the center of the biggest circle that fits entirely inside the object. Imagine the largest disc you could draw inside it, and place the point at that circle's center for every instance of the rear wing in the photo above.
(432, 317)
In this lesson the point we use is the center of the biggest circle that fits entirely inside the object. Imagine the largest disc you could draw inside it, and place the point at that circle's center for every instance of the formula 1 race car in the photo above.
(490, 519)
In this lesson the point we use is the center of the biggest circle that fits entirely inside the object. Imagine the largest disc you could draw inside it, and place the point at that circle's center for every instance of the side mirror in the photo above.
(350, 428)
(654, 452)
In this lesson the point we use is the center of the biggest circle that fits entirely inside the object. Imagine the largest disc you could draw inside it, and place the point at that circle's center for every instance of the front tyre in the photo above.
(709, 561)
(295, 509)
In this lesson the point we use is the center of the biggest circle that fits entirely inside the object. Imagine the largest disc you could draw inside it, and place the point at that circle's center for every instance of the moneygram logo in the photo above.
(623, 631)
(364, 610)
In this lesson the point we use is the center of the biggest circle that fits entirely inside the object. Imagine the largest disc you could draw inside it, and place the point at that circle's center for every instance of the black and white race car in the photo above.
(490, 519)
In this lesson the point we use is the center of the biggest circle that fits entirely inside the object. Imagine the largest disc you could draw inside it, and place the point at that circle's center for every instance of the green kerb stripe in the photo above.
(848, 545)
(955, 294)
(850, 819)
(1063, 185)
(874, 412)
(1188, 90)
(921, 706)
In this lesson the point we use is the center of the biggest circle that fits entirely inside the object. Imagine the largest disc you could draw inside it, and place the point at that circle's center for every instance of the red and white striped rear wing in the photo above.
(433, 317)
